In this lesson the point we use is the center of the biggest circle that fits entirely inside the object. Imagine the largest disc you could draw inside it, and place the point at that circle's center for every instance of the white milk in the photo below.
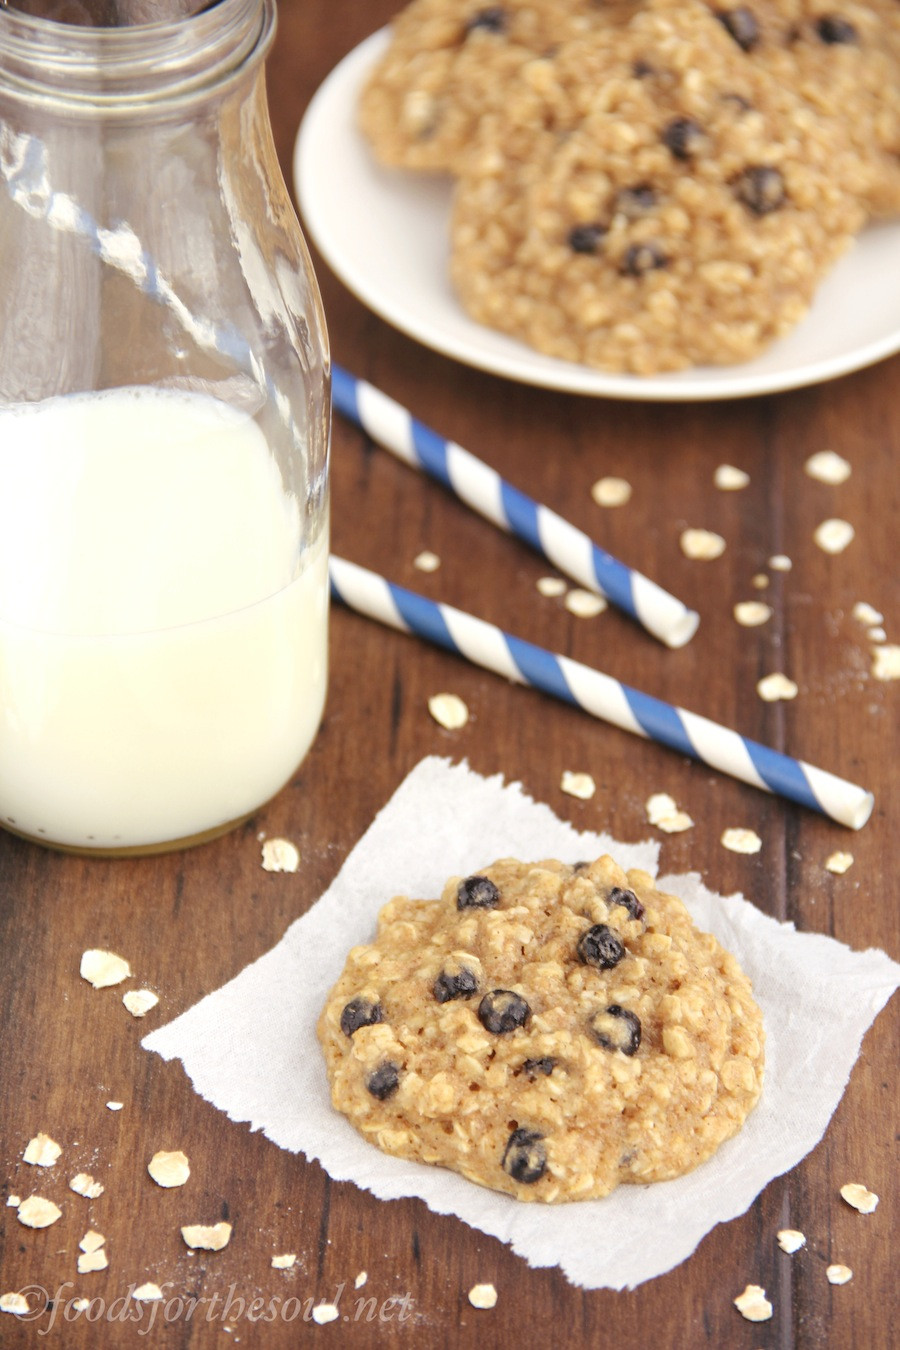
(163, 627)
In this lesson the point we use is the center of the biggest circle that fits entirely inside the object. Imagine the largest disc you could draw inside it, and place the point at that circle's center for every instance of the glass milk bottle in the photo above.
(164, 433)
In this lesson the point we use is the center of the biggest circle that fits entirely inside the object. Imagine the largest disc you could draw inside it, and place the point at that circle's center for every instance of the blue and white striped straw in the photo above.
(482, 488)
(600, 695)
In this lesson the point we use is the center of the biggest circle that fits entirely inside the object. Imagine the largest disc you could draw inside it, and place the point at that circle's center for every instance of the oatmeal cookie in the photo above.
(651, 201)
(449, 63)
(546, 1030)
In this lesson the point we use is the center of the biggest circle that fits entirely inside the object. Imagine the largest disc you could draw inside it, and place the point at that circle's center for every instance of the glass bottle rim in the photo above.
(127, 70)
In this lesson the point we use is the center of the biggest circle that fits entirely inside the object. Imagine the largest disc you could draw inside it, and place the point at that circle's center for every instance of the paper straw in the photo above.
(600, 695)
(480, 487)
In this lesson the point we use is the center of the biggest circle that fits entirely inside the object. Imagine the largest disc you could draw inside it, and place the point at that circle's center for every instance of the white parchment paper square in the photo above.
(250, 1048)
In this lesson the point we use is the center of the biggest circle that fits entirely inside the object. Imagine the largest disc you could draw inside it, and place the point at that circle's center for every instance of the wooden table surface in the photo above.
(189, 921)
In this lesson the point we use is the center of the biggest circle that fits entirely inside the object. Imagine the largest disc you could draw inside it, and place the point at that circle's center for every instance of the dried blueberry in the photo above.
(462, 985)
(742, 25)
(616, 1028)
(525, 1157)
(532, 1067)
(600, 947)
(683, 136)
(586, 238)
(360, 1012)
(627, 899)
(384, 1081)
(501, 1010)
(641, 258)
(491, 20)
(641, 69)
(635, 201)
(834, 30)
(477, 893)
(761, 189)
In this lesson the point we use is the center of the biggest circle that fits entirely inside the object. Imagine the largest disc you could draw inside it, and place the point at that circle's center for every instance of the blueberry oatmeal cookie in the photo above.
(449, 63)
(548, 1031)
(651, 200)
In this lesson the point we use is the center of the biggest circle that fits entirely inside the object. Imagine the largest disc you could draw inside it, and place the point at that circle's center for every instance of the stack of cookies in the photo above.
(645, 187)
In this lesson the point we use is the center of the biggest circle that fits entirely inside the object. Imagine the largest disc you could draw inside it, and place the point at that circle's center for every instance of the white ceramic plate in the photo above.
(384, 233)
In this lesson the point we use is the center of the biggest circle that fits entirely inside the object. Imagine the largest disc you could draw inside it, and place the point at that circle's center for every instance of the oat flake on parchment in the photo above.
(703, 545)
(860, 1197)
(41, 1151)
(449, 711)
(611, 491)
(753, 1305)
(280, 855)
(103, 969)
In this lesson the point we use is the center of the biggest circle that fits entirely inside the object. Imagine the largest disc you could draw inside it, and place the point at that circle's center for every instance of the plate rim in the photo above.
(556, 375)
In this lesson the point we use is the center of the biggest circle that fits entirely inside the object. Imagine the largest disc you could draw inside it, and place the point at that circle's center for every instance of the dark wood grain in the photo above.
(190, 921)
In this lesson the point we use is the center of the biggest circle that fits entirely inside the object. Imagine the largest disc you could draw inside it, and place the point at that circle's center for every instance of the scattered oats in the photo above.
(771, 688)
(780, 562)
(877, 635)
(551, 586)
(169, 1169)
(859, 1197)
(114, 1106)
(867, 614)
(483, 1296)
(280, 855)
(81, 1304)
(611, 491)
(828, 467)
(96, 1260)
(360, 1279)
(101, 969)
(729, 479)
(426, 561)
(760, 581)
(833, 536)
(751, 613)
(449, 711)
(285, 1262)
(702, 544)
(212, 1238)
(140, 1001)
(838, 1274)
(36, 1212)
(13, 1201)
(584, 604)
(42, 1151)
(791, 1240)
(92, 1241)
(325, 1312)
(742, 841)
(886, 662)
(578, 784)
(753, 1304)
(148, 1293)
(839, 862)
(663, 812)
(84, 1184)
(17, 1304)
